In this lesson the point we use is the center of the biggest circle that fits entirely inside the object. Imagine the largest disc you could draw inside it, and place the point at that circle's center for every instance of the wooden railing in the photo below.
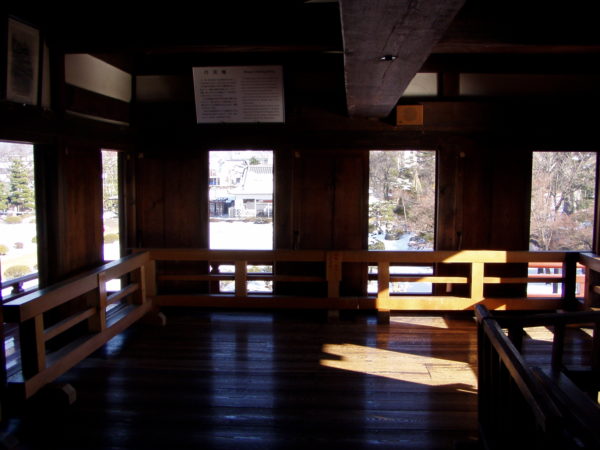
(527, 407)
(17, 285)
(475, 278)
(38, 366)
(551, 271)
(146, 273)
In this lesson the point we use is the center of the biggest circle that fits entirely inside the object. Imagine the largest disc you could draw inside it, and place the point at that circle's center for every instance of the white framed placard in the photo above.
(239, 94)
(22, 68)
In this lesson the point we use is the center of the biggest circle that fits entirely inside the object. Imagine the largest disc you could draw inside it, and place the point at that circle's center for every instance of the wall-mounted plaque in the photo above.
(23, 62)
(239, 94)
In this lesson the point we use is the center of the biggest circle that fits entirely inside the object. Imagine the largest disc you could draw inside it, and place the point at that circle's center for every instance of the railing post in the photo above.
(477, 271)
(334, 274)
(97, 322)
(139, 276)
(33, 346)
(570, 276)
(241, 278)
(214, 287)
(150, 278)
(383, 292)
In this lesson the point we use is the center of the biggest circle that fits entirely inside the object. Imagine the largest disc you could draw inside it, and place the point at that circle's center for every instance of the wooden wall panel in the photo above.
(172, 211)
(150, 207)
(329, 199)
(313, 200)
(172, 202)
(73, 203)
(484, 202)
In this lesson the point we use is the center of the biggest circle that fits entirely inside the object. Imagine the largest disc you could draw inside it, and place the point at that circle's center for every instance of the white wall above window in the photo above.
(88, 72)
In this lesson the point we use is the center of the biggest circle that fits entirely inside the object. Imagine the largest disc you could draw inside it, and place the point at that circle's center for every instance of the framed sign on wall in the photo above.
(239, 94)
(22, 62)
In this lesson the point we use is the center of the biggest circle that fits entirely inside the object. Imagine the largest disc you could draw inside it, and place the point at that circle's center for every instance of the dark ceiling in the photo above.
(438, 35)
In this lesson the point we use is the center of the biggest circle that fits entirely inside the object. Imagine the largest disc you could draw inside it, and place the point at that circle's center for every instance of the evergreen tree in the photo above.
(3, 197)
(20, 194)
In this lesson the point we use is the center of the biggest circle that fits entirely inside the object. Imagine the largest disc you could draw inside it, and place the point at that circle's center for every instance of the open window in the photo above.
(240, 189)
(111, 204)
(402, 209)
(563, 197)
(18, 229)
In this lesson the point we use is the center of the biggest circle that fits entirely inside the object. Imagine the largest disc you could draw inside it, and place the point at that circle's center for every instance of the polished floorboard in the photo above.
(264, 380)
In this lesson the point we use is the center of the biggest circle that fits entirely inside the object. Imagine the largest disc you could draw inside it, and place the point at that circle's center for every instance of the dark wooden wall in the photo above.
(321, 170)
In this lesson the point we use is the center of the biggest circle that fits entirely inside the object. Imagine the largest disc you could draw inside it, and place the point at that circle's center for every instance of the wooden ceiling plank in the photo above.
(406, 30)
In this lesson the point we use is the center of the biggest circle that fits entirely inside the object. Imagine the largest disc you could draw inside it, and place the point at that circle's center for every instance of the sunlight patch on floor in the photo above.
(428, 321)
(540, 334)
(427, 370)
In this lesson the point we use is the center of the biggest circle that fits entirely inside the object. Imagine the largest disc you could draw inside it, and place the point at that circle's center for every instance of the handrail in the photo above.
(38, 366)
(542, 410)
(17, 286)
(507, 356)
(330, 272)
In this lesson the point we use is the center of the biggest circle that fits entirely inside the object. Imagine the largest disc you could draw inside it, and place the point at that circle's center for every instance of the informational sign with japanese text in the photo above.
(239, 94)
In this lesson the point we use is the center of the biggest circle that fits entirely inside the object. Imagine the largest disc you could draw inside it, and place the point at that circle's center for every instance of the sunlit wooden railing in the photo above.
(332, 266)
(551, 272)
(38, 366)
(520, 406)
(147, 271)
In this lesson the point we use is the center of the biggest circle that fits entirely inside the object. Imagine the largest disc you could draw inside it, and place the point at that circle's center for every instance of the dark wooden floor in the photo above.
(258, 380)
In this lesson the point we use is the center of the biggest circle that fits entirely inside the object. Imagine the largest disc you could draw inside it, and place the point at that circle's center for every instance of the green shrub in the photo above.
(3, 249)
(16, 271)
(110, 238)
(377, 245)
(13, 219)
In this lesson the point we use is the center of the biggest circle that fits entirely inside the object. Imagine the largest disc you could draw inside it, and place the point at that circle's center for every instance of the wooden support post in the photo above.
(33, 349)
(570, 275)
(383, 293)
(241, 278)
(596, 350)
(558, 345)
(334, 274)
(477, 271)
(214, 287)
(516, 334)
(97, 300)
(139, 277)
(150, 278)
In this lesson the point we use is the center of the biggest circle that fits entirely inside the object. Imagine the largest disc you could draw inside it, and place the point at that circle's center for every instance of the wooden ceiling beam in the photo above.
(385, 44)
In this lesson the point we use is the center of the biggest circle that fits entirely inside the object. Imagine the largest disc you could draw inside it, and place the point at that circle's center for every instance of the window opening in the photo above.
(402, 210)
(240, 190)
(563, 191)
(18, 229)
(110, 210)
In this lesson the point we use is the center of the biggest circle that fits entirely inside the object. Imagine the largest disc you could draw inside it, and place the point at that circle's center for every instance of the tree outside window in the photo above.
(562, 200)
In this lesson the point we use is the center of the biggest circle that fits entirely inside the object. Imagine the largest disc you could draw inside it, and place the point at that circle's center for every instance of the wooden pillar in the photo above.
(383, 293)
(241, 278)
(33, 350)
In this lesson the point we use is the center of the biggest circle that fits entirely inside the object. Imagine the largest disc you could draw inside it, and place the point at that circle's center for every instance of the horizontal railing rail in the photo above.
(328, 269)
(38, 365)
(18, 286)
(550, 273)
